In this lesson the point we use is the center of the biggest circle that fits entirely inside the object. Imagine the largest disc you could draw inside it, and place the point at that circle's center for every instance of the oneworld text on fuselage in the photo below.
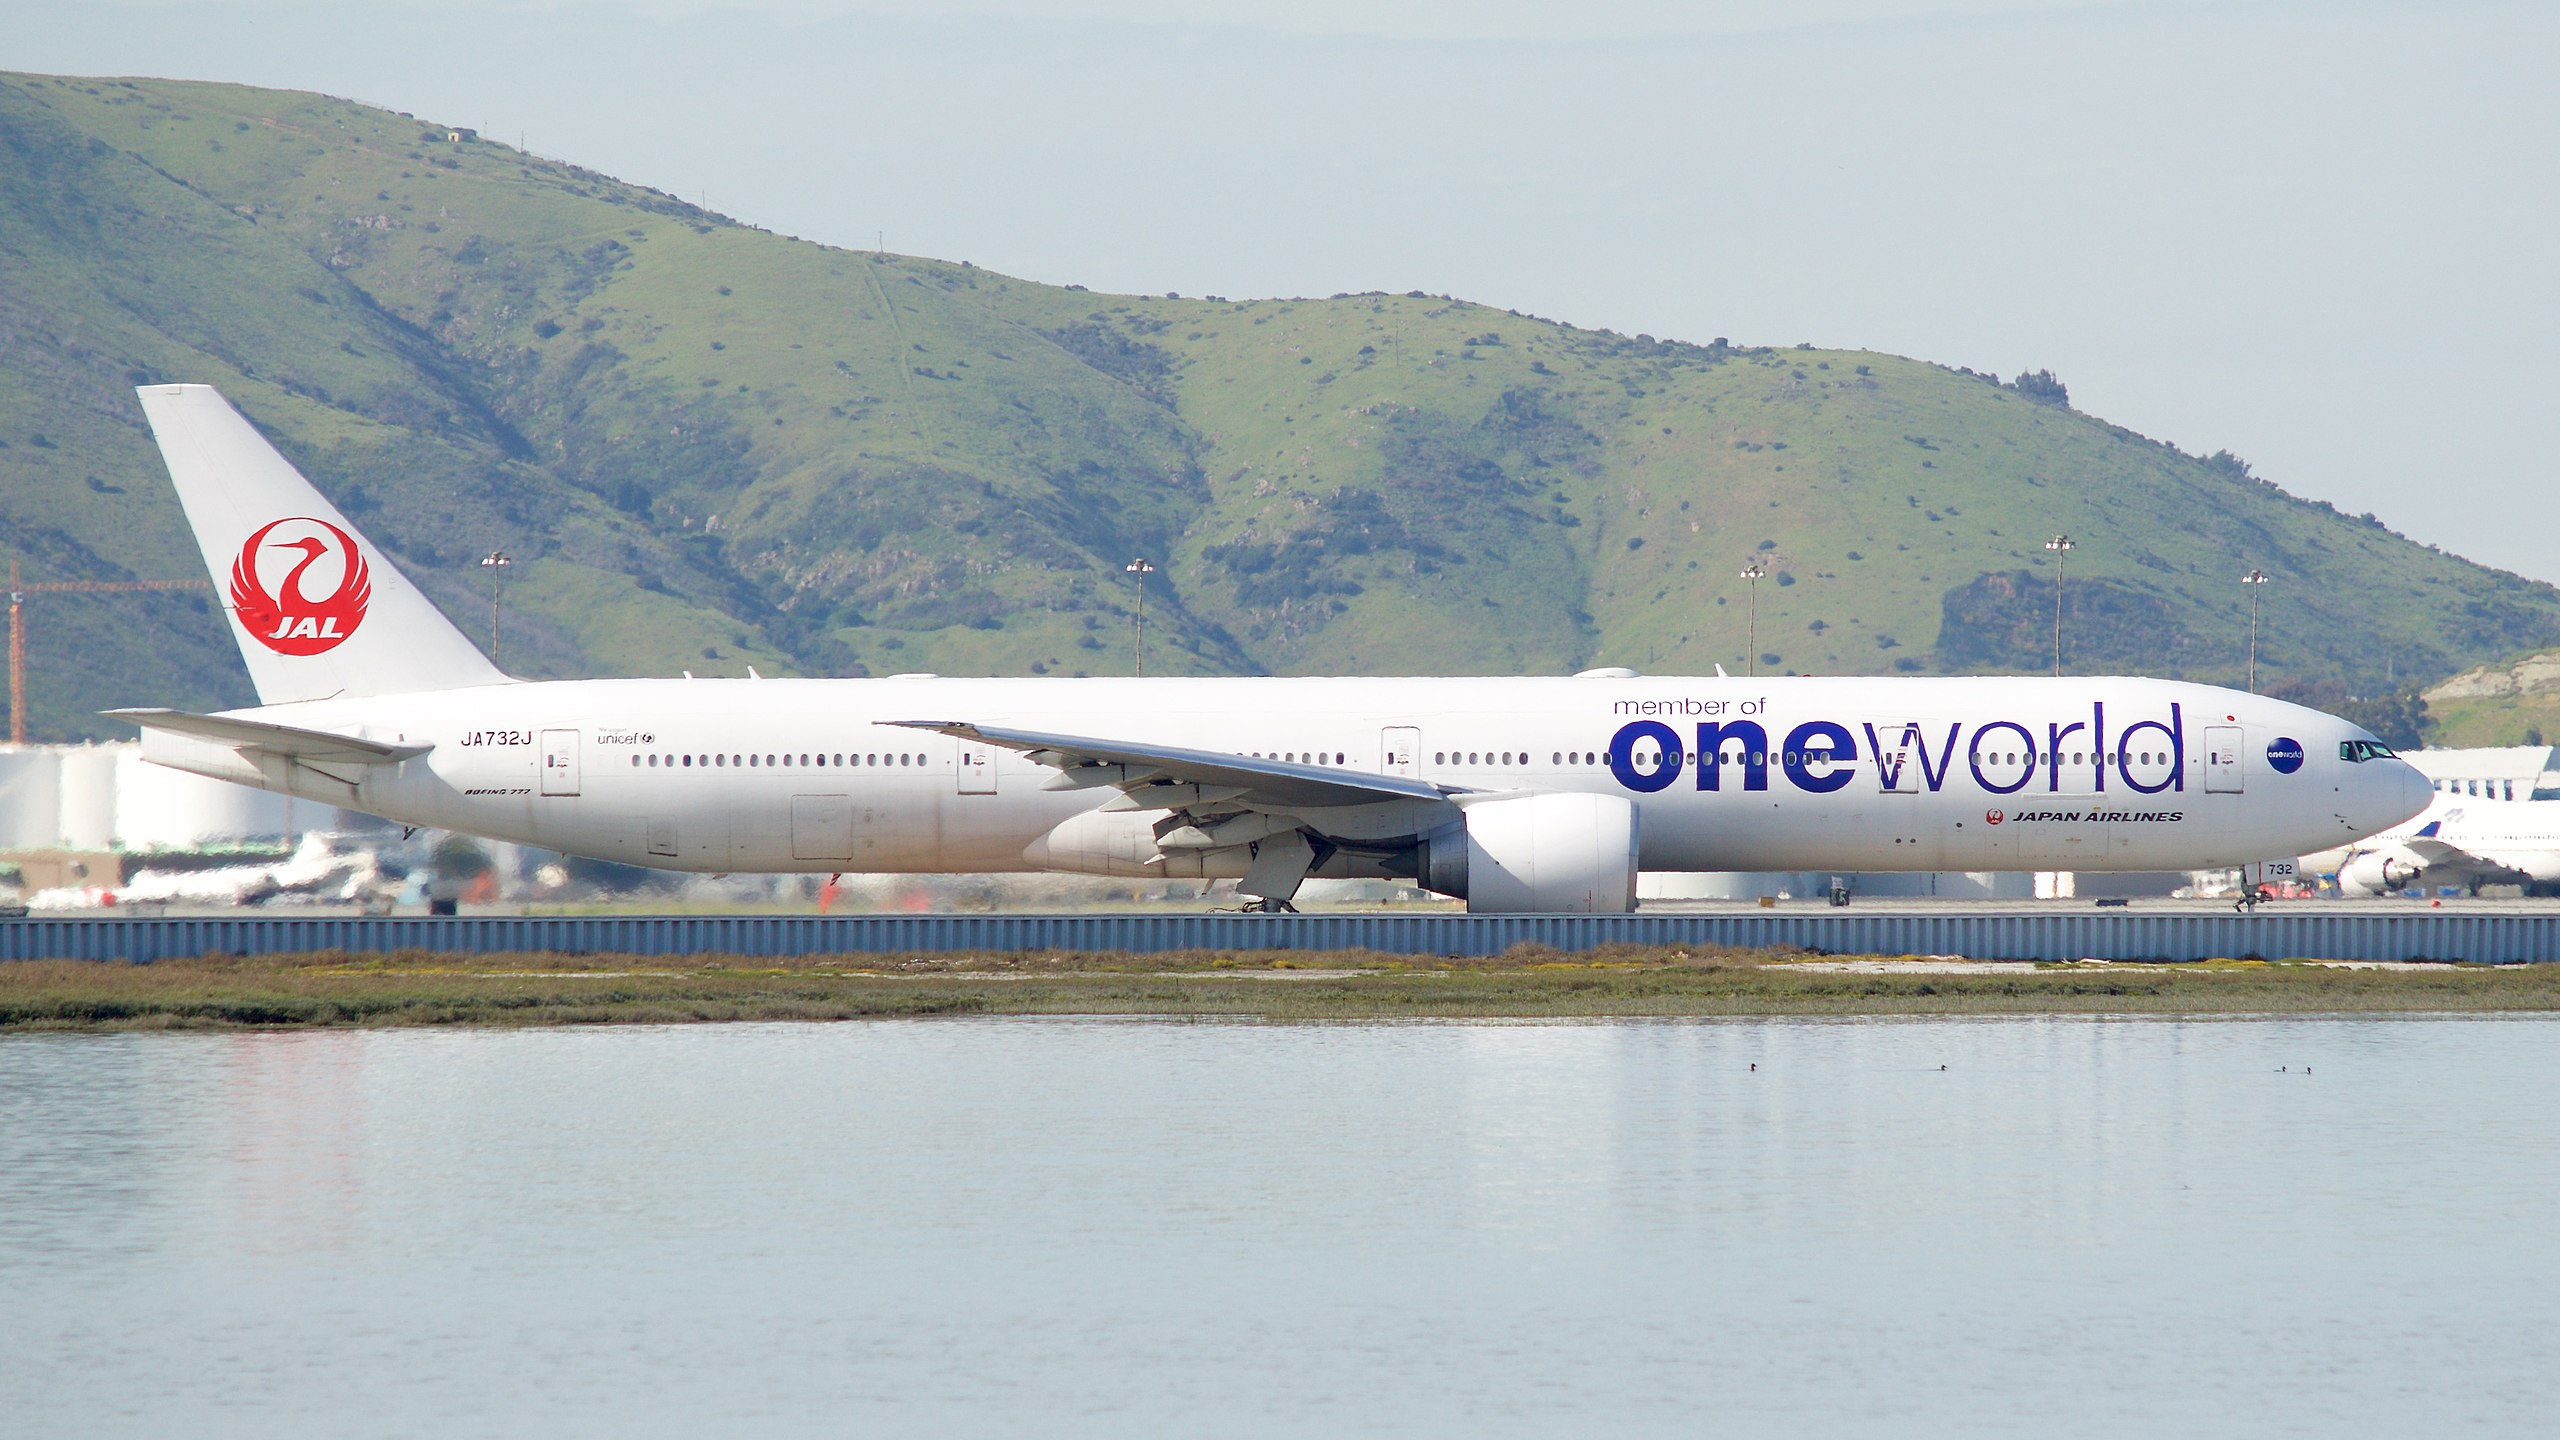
(2004, 757)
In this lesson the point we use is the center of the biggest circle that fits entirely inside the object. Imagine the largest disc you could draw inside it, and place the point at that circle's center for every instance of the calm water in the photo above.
(1116, 1228)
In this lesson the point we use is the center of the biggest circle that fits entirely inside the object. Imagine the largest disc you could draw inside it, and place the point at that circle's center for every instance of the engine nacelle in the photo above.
(1569, 854)
(2377, 874)
(1123, 842)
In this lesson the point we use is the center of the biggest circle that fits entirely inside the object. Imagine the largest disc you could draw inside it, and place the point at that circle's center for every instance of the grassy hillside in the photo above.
(2506, 703)
(711, 446)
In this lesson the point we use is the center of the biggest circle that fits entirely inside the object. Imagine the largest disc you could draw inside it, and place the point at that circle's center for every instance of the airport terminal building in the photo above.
(2502, 772)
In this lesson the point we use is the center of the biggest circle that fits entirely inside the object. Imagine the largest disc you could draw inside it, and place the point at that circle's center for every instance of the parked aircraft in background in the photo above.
(2456, 840)
(1523, 794)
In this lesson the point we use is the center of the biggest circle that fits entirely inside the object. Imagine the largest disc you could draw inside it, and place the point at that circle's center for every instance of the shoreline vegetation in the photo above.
(420, 988)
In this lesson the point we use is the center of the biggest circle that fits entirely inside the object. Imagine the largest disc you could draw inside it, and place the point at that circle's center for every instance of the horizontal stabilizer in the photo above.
(286, 740)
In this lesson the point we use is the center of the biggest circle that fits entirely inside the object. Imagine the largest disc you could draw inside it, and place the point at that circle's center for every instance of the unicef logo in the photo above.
(2284, 755)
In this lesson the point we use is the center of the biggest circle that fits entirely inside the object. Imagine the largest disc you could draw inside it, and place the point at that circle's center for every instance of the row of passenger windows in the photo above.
(754, 762)
(817, 761)
(2485, 789)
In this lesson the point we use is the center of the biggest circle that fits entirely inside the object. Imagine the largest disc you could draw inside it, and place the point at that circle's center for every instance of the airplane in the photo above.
(1520, 794)
(2457, 840)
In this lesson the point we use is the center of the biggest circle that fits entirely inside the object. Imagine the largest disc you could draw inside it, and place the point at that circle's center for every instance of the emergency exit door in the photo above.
(559, 762)
(1897, 756)
(2222, 759)
(977, 768)
(1400, 751)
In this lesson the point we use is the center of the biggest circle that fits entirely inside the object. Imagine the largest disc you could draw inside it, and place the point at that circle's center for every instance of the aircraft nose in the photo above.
(2414, 791)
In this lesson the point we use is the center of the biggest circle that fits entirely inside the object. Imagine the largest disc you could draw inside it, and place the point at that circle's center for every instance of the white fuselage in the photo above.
(1817, 773)
(2457, 839)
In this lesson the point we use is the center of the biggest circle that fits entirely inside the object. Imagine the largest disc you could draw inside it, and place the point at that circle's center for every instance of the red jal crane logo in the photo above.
(289, 619)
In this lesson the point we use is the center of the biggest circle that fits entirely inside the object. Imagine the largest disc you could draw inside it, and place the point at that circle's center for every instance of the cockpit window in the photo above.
(2356, 752)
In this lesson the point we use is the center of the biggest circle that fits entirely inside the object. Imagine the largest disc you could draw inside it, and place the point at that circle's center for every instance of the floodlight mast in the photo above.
(496, 563)
(1142, 568)
(1752, 571)
(2061, 546)
(2253, 580)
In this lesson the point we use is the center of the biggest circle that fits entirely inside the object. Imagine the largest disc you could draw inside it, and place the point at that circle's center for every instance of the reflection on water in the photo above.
(1096, 1227)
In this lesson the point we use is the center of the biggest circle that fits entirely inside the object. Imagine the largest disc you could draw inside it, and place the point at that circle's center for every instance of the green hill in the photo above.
(710, 446)
(2506, 703)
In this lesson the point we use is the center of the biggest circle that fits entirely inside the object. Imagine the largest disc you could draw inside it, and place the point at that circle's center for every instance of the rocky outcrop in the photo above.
(2533, 675)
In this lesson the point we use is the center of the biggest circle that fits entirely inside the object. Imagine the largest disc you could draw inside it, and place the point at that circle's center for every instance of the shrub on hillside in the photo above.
(2042, 387)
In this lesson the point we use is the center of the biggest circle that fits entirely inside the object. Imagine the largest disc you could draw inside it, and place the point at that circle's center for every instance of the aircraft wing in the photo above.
(2438, 857)
(1176, 775)
(1279, 819)
(287, 740)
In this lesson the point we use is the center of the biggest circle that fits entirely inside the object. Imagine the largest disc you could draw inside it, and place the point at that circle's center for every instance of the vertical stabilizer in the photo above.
(318, 610)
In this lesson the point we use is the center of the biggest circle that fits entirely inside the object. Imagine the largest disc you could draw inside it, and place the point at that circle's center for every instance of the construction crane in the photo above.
(18, 593)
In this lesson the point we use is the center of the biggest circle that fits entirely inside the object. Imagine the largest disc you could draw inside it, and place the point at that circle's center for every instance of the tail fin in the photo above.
(317, 609)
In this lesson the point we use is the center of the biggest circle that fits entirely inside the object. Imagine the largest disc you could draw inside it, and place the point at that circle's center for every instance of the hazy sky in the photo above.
(2318, 234)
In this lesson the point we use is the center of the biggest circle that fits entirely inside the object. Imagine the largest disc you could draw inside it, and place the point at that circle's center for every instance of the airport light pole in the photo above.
(1142, 569)
(2253, 580)
(2061, 547)
(496, 563)
(1752, 571)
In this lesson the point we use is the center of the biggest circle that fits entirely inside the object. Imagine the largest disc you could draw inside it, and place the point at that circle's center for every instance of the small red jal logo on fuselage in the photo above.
(288, 618)
(1993, 817)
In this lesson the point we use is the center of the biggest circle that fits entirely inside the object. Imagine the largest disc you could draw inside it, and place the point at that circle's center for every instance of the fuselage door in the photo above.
(559, 762)
(1400, 751)
(977, 768)
(1897, 757)
(2222, 759)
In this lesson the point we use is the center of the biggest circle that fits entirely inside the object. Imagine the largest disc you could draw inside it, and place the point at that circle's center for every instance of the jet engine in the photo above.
(2377, 874)
(1570, 854)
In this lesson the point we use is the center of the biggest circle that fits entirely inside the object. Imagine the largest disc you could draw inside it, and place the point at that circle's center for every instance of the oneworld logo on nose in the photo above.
(303, 554)
(2284, 755)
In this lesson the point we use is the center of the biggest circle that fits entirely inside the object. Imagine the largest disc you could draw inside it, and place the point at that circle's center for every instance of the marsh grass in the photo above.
(419, 988)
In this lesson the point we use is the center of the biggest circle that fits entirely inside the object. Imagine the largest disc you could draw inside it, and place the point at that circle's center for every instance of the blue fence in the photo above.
(2326, 933)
